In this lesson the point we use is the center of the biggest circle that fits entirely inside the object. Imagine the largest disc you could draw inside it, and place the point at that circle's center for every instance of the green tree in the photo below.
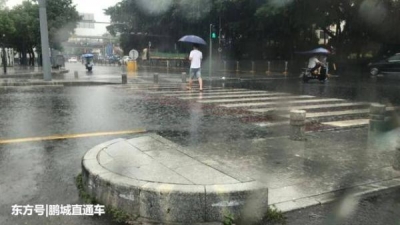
(26, 21)
(137, 25)
(62, 19)
(6, 24)
(2, 4)
(261, 28)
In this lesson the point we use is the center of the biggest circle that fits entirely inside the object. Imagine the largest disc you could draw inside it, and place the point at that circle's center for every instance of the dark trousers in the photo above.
(312, 70)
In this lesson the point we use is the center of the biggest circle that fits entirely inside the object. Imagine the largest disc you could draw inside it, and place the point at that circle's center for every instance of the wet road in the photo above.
(43, 172)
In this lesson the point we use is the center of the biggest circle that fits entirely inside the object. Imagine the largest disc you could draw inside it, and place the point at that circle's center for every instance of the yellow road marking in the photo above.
(70, 136)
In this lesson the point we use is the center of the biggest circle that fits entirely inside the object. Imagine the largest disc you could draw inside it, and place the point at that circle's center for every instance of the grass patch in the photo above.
(228, 219)
(275, 216)
(116, 214)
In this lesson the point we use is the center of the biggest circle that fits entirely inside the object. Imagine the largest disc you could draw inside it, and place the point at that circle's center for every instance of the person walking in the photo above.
(195, 58)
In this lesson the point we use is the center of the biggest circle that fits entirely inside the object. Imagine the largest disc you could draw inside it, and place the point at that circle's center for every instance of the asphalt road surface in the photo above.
(36, 169)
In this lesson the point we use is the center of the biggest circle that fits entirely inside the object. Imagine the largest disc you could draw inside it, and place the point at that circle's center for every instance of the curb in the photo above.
(168, 202)
(54, 83)
(33, 75)
(359, 192)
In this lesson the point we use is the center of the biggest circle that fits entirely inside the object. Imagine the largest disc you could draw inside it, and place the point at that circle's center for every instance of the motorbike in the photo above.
(306, 75)
(88, 61)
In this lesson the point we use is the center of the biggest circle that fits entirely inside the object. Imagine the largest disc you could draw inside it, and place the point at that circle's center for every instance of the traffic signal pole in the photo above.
(209, 72)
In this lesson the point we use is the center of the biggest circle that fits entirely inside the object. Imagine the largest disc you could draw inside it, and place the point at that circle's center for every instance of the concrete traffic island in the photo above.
(151, 177)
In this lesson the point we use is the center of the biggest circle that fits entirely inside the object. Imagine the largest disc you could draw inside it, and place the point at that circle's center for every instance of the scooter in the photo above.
(88, 61)
(306, 75)
(89, 66)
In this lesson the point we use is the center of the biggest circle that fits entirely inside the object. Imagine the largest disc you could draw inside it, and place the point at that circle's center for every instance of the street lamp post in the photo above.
(44, 34)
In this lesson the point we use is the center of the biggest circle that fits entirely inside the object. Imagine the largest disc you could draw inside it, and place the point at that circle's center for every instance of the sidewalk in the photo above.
(327, 167)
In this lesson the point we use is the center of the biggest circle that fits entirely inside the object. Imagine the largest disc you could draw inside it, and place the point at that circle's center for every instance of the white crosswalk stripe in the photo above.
(333, 113)
(193, 91)
(348, 123)
(216, 92)
(270, 108)
(290, 101)
(322, 106)
(234, 96)
(256, 99)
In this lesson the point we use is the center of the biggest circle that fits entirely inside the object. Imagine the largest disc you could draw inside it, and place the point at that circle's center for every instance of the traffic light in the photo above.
(213, 32)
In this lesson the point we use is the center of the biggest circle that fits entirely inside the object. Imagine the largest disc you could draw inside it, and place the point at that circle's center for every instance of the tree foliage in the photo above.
(260, 28)
(22, 27)
(2, 3)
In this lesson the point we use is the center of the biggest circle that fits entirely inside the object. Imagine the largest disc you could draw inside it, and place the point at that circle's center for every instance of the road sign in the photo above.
(133, 54)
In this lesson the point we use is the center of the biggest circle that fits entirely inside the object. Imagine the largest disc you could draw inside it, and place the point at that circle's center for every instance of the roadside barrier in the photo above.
(377, 118)
(297, 125)
(155, 77)
(376, 125)
(124, 79)
(269, 68)
(286, 68)
(396, 161)
(131, 66)
(184, 77)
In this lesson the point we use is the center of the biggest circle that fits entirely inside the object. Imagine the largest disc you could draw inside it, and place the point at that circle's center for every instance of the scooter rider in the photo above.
(314, 64)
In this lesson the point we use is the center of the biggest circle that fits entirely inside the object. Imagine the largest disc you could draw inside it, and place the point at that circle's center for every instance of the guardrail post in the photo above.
(269, 68)
(167, 64)
(124, 79)
(286, 68)
(377, 117)
(225, 66)
(155, 76)
(396, 160)
(184, 77)
(252, 67)
(237, 66)
(376, 124)
(297, 125)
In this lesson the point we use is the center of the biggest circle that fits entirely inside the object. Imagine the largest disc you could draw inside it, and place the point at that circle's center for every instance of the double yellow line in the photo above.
(70, 136)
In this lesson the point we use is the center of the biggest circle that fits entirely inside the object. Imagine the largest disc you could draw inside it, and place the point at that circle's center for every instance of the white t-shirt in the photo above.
(312, 62)
(195, 59)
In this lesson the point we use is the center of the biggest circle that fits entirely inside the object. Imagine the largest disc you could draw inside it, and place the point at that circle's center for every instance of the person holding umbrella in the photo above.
(195, 58)
(314, 64)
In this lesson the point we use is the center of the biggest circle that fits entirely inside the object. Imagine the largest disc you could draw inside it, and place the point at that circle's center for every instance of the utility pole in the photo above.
(209, 72)
(44, 34)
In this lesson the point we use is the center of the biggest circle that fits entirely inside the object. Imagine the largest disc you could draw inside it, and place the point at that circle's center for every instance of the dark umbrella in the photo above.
(316, 51)
(192, 39)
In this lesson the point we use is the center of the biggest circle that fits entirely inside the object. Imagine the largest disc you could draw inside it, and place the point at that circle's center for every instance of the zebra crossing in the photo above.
(270, 108)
